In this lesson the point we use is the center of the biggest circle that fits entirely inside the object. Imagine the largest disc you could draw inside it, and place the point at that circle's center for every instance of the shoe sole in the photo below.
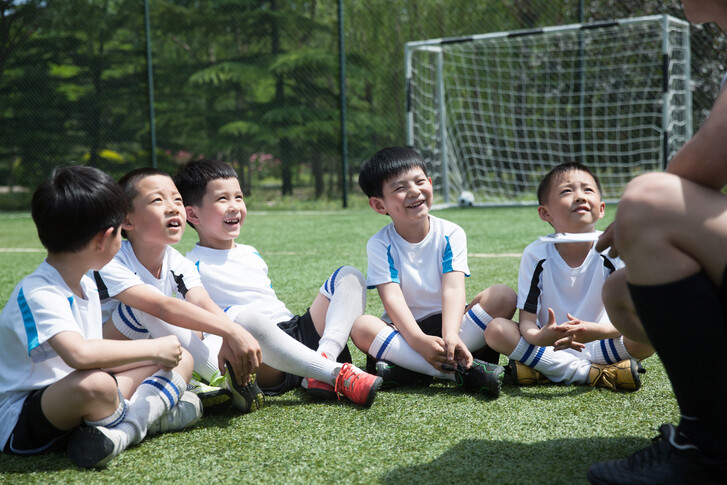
(372, 392)
(90, 457)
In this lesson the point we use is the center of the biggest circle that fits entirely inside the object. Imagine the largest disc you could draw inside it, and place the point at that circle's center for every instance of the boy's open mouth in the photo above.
(415, 204)
(232, 221)
(174, 224)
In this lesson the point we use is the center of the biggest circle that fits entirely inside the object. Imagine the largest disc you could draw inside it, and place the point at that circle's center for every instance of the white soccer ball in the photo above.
(466, 199)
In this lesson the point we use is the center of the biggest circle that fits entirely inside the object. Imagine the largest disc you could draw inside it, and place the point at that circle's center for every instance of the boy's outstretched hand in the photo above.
(243, 353)
(560, 336)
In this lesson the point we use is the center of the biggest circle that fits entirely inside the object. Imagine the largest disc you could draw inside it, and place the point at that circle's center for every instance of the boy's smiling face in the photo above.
(219, 218)
(573, 203)
(406, 197)
(157, 213)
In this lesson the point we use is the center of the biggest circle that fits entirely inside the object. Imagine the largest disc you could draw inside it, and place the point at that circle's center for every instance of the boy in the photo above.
(418, 264)
(236, 277)
(671, 229)
(559, 296)
(56, 371)
(150, 289)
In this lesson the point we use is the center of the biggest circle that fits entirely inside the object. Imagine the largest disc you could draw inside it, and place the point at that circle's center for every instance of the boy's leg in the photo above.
(496, 301)
(105, 438)
(341, 299)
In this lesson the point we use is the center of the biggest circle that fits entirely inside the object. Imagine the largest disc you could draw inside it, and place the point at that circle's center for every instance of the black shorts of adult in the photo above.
(302, 329)
(33, 434)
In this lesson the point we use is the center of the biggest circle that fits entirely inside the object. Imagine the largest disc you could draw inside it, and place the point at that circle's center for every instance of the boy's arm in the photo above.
(429, 347)
(551, 333)
(239, 347)
(454, 301)
(592, 331)
(82, 354)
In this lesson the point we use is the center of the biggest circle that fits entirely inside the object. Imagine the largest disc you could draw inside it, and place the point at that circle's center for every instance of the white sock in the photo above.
(472, 329)
(114, 418)
(136, 324)
(389, 345)
(560, 366)
(283, 352)
(346, 290)
(610, 351)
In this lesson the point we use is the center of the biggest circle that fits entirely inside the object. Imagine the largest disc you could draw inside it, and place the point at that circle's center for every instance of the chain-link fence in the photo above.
(255, 83)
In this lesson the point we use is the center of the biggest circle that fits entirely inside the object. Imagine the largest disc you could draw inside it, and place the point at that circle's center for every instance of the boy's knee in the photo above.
(364, 331)
(350, 275)
(98, 386)
(502, 335)
(499, 301)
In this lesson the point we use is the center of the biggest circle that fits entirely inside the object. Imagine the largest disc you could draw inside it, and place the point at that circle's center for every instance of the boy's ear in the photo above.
(544, 214)
(602, 210)
(377, 204)
(127, 225)
(103, 238)
(191, 214)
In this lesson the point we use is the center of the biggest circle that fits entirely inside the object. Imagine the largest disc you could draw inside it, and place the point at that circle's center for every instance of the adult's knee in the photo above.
(644, 204)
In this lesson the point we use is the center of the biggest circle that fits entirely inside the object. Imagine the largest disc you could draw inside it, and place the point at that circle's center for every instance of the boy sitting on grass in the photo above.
(237, 279)
(418, 264)
(56, 371)
(152, 290)
(564, 334)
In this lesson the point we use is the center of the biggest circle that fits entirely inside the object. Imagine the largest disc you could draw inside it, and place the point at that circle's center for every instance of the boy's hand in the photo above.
(432, 349)
(608, 240)
(243, 353)
(457, 351)
(552, 332)
(169, 352)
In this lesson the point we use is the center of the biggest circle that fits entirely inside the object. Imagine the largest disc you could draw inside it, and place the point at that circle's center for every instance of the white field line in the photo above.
(495, 255)
(22, 250)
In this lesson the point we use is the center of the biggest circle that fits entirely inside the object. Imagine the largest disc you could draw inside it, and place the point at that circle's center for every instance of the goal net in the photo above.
(492, 113)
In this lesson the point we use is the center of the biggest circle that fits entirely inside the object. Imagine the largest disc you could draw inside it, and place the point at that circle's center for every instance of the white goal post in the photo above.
(492, 113)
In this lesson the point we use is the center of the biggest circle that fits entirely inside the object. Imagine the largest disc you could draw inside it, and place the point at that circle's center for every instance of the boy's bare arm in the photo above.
(593, 331)
(454, 300)
(431, 348)
(82, 354)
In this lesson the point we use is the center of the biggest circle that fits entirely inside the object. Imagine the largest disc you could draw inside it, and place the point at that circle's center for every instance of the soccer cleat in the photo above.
(523, 375)
(670, 460)
(185, 413)
(357, 385)
(623, 376)
(94, 446)
(246, 398)
(482, 377)
(320, 389)
(213, 398)
(393, 375)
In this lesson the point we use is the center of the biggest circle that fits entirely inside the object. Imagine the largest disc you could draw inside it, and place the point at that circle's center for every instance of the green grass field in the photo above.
(548, 434)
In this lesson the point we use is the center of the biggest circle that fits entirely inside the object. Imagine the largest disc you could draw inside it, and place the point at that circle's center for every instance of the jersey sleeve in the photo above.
(115, 278)
(45, 313)
(381, 267)
(185, 273)
(454, 257)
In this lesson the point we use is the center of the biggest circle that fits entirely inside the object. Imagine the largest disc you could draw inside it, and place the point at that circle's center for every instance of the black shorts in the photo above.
(302, 329)
(33, 433)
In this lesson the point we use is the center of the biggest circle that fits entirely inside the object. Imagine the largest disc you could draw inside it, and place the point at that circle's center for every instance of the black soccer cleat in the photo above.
(394, 376)
(482, 377)
(670, 460)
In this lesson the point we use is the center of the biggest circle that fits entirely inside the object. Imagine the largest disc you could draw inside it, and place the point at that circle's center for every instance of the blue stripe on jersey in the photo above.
(70, 301)
(135, 325)
(386, 343)
(447, 257)
(31, 330)
(393, 272)
(474, 318)
(197, 265)
(604, 349)
(332, 279)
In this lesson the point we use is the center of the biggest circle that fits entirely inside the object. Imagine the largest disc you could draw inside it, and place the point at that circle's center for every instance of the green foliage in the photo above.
(436, 435)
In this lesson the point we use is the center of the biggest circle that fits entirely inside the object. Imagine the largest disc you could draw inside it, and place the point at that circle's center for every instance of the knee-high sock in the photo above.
(135, 324)
(153, 398)
(685, 323)
(283, 352)
(389, 345)
(472, 329)
(346, 290)
(560, 366)
(610, 351)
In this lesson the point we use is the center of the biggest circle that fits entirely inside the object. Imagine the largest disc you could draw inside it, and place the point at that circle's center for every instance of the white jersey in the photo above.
(238, 277)
(418, 268)
(178, 275)
(546, 281)
(40, 307)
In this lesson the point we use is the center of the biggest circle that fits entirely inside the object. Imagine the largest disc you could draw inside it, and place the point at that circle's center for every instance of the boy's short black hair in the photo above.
(192, 179)
(73, 205)
(544, 186)
(387, 163)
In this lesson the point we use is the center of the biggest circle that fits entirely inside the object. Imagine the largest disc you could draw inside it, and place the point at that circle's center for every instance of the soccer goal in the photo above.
(492, 113)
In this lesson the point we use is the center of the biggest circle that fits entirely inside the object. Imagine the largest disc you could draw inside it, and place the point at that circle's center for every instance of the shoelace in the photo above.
(345, 373)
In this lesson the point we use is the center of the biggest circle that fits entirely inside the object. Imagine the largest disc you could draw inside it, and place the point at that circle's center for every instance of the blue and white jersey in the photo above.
(418, 268)
(40, 307)
(178, 275)
(239, 277)
(546, 281)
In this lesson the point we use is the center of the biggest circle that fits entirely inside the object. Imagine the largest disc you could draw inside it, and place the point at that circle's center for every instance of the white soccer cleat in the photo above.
(184, 414)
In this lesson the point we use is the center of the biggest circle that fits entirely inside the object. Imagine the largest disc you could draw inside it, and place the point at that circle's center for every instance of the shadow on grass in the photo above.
(497, 461)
